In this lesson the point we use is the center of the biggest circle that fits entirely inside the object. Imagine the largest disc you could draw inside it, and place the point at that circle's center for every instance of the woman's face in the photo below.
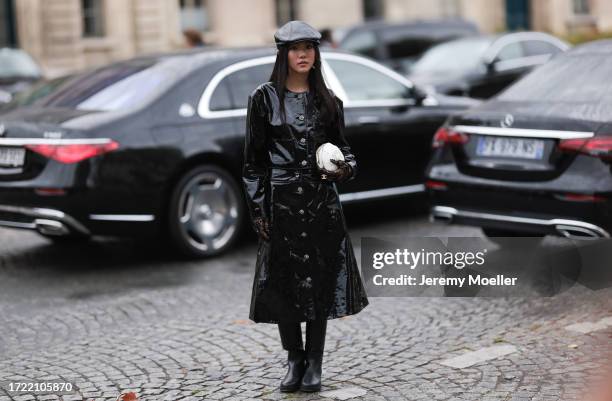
(301, 56)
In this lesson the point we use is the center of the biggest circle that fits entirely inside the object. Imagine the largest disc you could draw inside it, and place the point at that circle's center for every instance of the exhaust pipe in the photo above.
(441, 217)
(563, 227)
(51, 227)
(575, 232)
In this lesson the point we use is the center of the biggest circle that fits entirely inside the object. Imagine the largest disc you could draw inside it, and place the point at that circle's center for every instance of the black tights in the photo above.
(291, 335)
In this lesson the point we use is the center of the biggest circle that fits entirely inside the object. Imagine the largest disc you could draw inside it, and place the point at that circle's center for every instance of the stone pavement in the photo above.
(190, 339)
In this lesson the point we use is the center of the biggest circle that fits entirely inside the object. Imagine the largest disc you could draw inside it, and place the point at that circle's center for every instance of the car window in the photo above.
(125, 93)
(539, 47)
(241, 84)
(362, 43)
(115, 87)
(37, 91)
(221, 99)
(365, 83)
(510, 51)
(406, 51)
(465, 54)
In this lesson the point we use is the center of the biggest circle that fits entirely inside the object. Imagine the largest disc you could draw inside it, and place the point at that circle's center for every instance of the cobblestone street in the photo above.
(113, 317)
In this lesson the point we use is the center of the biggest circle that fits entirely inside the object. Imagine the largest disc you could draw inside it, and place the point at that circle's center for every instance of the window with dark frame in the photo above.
(372, 9)
(93, 18)
(194, 15)
(191, 3)
(285, 11)
(581, 7)
(8, 28)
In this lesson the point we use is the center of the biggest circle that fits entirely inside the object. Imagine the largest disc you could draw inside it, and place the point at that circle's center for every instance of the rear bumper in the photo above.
(557, 226)
(46, 221)
(55, 222)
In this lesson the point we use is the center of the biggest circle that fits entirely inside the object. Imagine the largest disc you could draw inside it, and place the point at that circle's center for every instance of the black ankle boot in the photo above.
(295, 371)
(311, 381)
(291, 338)
(315, 344)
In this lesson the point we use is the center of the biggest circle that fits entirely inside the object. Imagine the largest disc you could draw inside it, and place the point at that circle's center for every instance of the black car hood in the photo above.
(536, 115)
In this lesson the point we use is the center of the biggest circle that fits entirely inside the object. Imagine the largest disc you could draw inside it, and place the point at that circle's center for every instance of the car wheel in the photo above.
(205, 212)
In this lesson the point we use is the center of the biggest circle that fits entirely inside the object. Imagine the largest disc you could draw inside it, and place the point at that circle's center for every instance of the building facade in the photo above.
(69, 35)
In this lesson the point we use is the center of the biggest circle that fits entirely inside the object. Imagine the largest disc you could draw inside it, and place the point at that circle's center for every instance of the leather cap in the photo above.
(295, 31)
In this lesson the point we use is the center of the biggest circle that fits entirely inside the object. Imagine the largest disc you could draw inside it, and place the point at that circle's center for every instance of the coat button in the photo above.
(304, 162)
(301, 211)
(301, 117)
(303, 234)
(300, 190)
(303, 140)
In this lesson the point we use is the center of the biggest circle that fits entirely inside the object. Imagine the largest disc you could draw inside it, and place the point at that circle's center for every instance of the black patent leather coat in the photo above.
(308, 268)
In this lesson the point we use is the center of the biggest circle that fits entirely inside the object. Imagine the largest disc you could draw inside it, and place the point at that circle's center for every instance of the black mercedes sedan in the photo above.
(154, 145)
(535, 160)
(482, 66)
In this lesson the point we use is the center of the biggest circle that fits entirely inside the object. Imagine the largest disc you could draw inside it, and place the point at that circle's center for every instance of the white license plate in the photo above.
(12, 157)
(510, 147)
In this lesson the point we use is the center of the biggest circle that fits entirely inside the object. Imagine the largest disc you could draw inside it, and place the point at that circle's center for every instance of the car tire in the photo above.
(205, 212)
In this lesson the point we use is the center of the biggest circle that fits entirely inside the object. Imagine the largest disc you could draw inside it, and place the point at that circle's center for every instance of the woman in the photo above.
(306, 270)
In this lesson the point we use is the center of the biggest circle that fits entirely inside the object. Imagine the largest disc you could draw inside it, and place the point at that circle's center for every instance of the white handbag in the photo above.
(325, 153)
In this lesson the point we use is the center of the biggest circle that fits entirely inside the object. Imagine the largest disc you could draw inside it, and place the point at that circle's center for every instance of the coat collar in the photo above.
(291, 94)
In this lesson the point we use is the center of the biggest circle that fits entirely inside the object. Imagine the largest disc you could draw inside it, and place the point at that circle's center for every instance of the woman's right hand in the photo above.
(341, 173)
(262, 227)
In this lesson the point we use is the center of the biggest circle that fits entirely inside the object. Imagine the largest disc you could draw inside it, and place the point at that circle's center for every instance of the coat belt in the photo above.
(288, 172)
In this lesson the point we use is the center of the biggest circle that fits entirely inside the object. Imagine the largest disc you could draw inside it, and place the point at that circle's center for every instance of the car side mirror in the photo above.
(418, 94)
(491, 66)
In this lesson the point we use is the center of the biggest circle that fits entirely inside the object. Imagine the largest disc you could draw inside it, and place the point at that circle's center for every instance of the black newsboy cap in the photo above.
(295, 31)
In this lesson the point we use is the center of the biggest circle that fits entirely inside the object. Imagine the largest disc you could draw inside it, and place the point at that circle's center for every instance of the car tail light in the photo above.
(73, 153)
(439, 185)
(597, 147)
(572, 197)
(446, 135)
(50, 191)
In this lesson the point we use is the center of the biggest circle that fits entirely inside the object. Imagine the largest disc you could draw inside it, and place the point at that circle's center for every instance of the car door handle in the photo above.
(365, 120)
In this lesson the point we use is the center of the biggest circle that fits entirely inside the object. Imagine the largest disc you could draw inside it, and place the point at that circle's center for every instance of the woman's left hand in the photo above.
(341, 173)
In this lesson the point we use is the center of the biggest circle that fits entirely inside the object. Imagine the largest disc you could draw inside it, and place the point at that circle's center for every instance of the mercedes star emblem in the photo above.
(507, 121)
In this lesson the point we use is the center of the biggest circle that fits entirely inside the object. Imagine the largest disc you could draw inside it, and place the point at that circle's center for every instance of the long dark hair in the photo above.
(318, 94)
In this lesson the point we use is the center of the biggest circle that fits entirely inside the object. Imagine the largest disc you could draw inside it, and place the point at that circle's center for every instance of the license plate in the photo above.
(12, 157)
(510, 147)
